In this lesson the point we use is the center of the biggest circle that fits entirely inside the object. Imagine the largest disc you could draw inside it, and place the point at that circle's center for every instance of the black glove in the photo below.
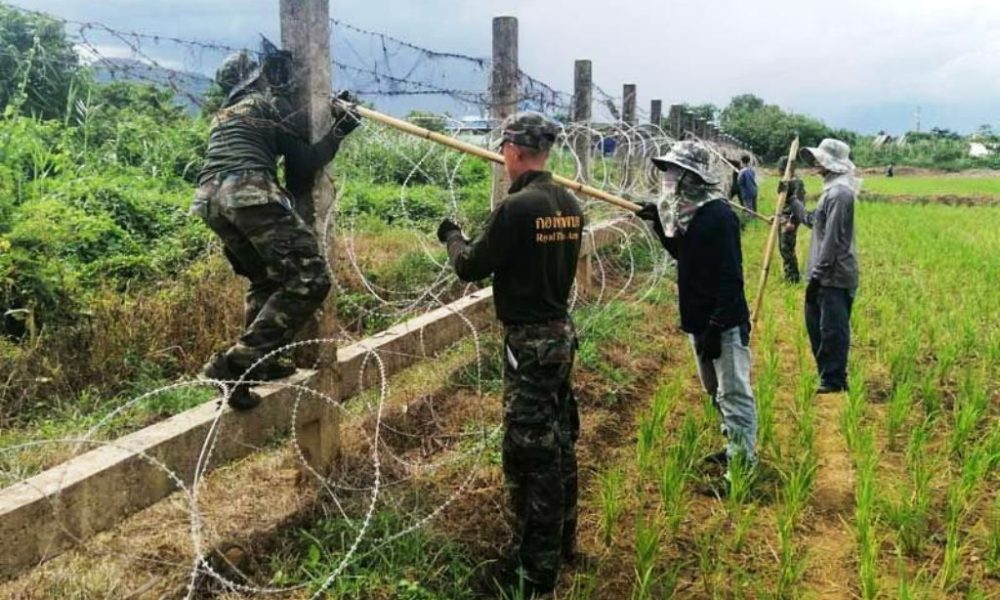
(648, 212)
(812, 291)
(708, 343)
(345, 118)
(446, 228)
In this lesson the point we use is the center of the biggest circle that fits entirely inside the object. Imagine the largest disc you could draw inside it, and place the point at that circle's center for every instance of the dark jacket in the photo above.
(747, 184)
(710, 269)
(530, 244)
(833, 253)
(250, 133)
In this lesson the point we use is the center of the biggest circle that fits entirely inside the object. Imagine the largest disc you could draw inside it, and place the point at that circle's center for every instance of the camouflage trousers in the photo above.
(786, 245)
(267, 242)
(539, 455)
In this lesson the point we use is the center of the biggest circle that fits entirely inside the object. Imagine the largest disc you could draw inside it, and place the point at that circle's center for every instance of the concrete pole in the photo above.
(676, 121)
(687, 122)
(699, 127)
(656, 112)
(656, 120)
(504, 89)
(628, 103)
(583, 97)
(627, 160)
(305, 32)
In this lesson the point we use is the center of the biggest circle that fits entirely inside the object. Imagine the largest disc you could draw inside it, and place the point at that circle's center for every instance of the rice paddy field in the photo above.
(888, 491)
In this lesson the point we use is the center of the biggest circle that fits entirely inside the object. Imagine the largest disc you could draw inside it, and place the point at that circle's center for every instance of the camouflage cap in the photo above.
(235, 69)
(529, 129)
(690, 156)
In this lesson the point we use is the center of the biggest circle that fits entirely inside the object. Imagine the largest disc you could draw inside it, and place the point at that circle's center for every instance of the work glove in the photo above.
(446, 229)
(648, 212)
(345, 118)
(812, 291)
(708, 343)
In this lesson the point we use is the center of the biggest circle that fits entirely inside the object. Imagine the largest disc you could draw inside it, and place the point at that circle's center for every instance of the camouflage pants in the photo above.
(786, 246)
(268, 243)
(539, 455)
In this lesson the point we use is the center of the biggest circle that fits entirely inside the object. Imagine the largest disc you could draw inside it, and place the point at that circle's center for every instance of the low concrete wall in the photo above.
(43, 516)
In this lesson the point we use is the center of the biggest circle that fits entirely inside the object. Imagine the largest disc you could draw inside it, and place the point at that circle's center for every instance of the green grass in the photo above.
(424, 565)
(913, 185)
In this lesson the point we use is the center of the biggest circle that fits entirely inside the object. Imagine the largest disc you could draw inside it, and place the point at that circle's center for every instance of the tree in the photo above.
(707, 112)
(769, 130)
(38, 66)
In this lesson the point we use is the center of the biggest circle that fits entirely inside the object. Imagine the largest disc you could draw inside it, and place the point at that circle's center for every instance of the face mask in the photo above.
(683, 194)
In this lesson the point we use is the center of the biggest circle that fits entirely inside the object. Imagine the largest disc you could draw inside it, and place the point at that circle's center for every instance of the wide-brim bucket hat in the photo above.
(833, 155)
(690, 156)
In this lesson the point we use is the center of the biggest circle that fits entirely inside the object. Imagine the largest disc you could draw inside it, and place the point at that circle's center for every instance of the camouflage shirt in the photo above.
(797, 191)
(530, 244)
(250, 133)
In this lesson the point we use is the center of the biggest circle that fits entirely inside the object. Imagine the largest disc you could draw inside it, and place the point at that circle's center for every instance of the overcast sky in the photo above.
(863, 64)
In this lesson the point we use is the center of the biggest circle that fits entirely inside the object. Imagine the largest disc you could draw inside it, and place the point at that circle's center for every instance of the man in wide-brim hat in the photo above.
(698, 228)
(832, 267)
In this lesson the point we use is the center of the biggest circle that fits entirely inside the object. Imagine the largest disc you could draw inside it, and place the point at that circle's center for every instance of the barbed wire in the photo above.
(622, 168)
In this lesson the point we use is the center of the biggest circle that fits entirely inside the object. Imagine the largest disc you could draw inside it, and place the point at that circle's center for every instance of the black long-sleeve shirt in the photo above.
(710, 269)
(530, 244)
(250, 134)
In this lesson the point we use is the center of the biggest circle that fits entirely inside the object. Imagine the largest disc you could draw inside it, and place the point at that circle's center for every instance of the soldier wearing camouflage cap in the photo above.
(263, 237)
(530, 244)
(696, 225)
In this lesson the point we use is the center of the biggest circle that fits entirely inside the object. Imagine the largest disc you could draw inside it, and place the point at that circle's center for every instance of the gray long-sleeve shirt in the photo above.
(833, 252)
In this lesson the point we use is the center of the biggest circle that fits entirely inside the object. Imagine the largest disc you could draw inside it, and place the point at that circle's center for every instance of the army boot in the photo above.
(219, 367)
(241, 359)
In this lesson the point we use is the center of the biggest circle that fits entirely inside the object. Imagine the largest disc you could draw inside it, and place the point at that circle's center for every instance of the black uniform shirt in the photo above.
(530, 244)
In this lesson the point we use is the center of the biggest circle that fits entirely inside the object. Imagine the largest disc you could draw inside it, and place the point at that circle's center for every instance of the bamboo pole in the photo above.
(466, 147)
(772, 238)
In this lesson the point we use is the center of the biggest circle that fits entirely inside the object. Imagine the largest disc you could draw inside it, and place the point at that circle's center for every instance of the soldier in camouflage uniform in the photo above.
(789, 222)
(530, 244)
(264, 238)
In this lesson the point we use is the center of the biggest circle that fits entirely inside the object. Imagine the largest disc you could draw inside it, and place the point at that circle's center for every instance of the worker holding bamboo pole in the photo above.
(696, 225)
(832, 268)
(530, 244)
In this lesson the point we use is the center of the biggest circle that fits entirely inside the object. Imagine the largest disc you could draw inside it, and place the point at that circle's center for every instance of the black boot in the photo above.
(219, 367)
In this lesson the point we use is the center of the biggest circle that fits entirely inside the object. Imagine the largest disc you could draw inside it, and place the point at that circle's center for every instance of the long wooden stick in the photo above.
(488, 155)
(772, 238)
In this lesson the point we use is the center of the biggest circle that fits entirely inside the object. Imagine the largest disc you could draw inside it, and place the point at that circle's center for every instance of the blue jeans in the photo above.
(828, 321)
(727, 380)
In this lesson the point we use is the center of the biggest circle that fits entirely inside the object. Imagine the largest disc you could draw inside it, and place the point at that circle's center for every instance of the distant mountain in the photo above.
(189, 88)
